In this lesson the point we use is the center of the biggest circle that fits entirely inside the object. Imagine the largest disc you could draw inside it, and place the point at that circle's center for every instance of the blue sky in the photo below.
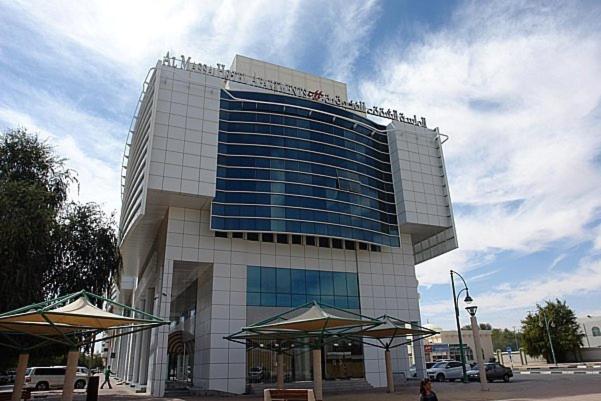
(514, 84)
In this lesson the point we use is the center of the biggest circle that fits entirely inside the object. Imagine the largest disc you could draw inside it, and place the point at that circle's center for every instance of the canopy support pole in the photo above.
(72, 359)
(280, 371)
(317, 379)
(389, 377)
(20, 376)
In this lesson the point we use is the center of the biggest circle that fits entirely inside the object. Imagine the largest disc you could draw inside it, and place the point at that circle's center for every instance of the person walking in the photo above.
(425, 391)
(107, 377)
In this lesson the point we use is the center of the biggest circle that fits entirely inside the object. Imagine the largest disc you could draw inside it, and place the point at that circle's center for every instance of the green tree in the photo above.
(33, 189)
(563, 328)
(503, 338)
(482, 326)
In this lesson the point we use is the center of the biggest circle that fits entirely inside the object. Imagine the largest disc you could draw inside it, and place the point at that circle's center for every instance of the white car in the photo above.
(45, 378)
(442, 371)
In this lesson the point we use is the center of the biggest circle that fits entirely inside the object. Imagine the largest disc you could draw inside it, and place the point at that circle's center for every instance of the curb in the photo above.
(560, 372)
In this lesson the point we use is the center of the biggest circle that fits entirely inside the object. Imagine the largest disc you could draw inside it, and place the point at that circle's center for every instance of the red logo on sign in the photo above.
(317, 95)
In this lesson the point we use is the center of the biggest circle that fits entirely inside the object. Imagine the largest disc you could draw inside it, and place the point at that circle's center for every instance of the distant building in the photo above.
(446, 345)
(591, 328)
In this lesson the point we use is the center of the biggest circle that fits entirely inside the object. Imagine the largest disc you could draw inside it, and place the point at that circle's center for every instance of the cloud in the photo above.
(517, 89)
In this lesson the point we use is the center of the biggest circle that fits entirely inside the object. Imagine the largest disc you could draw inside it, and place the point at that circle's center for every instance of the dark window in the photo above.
(252, 236)
(376, 248)
(282, 238)
(237, 235)
(310, 241)
(324, 242)
(596, 331)
(363, 246)
(221, 234)
(349, 245)
(267, 237)
(297, 239)
(336, 243)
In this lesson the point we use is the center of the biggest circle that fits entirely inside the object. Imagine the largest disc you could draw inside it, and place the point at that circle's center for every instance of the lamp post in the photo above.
(467, 300)
(479, 358)
(549, 334)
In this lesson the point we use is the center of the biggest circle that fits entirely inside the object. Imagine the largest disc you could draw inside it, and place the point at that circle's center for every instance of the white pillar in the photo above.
(389, 377)
(280, 370)
(136, 375)
(20, 377)
(317, 378)
(478, 352)
(145, 350)
(420, 363)
(69, 384)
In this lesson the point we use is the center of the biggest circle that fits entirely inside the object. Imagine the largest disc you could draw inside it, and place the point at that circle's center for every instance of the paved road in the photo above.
(522, 388)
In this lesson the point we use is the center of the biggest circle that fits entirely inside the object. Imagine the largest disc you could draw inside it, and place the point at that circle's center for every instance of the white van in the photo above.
(45, 378)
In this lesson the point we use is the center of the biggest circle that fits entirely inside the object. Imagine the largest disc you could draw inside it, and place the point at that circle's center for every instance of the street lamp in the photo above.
(479, 358)
(548, 333)
(468, 300)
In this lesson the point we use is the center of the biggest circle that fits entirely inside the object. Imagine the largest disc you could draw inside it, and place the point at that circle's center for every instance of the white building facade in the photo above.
(251, 190)
(591, 328)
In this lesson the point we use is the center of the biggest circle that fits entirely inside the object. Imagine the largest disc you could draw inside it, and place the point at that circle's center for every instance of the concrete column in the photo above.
(145, 350)
(131, 357)
(280, 370)
(122, 357)
(478, 352)
(317, 377)
(389, 377)
(137, 354)
(420, 362)
(20, 377)
(69, 384)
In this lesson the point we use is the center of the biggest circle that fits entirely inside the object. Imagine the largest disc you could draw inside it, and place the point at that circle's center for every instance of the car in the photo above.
(442, 371)
(413, 369)
(257, 374)
(47, 377)
(494, 371)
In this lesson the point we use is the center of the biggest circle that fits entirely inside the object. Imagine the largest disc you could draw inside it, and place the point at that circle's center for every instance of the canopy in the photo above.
(79, 313)
(73, 320)
(392, 329)
(316, 319)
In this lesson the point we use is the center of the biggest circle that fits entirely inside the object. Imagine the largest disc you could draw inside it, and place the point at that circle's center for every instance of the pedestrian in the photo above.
(107, 377)
(425, 391)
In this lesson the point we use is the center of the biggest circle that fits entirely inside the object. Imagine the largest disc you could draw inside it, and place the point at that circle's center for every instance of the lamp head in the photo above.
(468, 300)
(471, 310)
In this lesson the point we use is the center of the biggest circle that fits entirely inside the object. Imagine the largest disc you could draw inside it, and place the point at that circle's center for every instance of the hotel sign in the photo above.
(316, 95)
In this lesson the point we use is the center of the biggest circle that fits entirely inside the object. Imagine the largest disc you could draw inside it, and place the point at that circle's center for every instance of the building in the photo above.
(250, 190)
(591, 328)
(445, 345)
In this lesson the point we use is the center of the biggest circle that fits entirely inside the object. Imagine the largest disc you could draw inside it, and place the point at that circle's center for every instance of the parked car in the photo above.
(257, 374)
(442, 371)
(494, 371)
(45, 378)
(6, 378)
(413, 370)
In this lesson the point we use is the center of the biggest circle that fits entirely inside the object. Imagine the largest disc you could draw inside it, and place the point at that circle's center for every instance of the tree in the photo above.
(48, 246)
(86, 251)
(563, 328)
(33, 188)
(503, 338)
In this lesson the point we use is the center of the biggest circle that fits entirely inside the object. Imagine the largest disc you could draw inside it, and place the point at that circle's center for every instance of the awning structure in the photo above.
(315, 324)
(72, 320)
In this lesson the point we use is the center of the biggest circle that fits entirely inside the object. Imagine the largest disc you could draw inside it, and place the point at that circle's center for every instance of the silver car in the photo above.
(442, 371)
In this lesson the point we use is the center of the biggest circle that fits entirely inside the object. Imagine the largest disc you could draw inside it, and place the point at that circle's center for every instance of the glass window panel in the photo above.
(283, 300)
(253, 279)
(267, 279)
(326, 282)
(353, 302)
(341, 302)
(253, 298)
(352, 284)
(268, 299)
(327, 299)
(298, 300)
(283, 281)
(312, 280)
(340, 287)
(298, 281)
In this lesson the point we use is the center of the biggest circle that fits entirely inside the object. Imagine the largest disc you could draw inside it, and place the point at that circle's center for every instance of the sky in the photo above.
(515, 85)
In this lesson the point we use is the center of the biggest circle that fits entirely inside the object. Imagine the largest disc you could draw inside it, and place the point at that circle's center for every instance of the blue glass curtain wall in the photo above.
(302, 167)
(270, 286)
